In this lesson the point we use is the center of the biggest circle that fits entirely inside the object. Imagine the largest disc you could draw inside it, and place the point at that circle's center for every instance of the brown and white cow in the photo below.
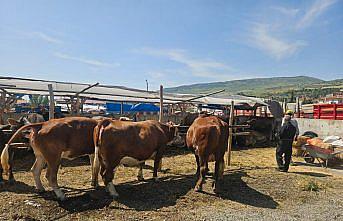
(55, 139)
(131, 143)
(208, 135)
(12, 126)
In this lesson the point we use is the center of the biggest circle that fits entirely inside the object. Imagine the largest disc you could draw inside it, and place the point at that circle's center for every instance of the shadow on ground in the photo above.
(149, 195)
(314, 174)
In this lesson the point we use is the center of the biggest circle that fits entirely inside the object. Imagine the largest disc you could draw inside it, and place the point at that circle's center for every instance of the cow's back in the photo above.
(72, 134)
(208, 133)
(133, 138)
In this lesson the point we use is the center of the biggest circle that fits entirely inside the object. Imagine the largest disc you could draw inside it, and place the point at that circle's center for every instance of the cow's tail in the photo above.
(98, 130)
(5, 153)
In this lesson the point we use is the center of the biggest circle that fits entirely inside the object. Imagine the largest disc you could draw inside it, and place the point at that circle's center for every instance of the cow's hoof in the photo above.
(198, 189)
(140, 178)
(95, 185)
(61, 197)
(156, 179)
(41, 190)
(11, 181)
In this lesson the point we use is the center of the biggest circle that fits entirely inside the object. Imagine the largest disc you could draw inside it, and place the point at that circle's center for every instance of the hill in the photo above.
(252, 87)
(276, 87)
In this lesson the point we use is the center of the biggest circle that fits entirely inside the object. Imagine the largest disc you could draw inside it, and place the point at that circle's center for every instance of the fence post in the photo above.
(334, 111)
(229, 147)
(51, 102)
(161, 104)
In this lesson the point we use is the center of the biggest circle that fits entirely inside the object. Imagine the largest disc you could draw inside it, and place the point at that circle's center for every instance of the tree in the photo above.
(38, 100)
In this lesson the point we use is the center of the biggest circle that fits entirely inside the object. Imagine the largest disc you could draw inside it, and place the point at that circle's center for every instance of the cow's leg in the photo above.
(37, 170)
(1, 176)
(11, 179)
(53, 166)
(160, 166)
(108, 175)
(207, 170)
(218, 174)
(157, 161)
(140, 172)
(201, 180)
(198, 165)
(95, 166)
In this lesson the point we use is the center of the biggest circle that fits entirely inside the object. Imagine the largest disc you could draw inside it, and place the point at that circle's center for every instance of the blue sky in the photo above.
(170, 42)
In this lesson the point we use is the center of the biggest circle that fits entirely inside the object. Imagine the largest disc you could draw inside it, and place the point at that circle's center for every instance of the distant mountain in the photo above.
(260, 87)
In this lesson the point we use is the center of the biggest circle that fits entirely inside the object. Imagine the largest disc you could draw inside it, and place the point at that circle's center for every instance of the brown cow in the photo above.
(55, 139)
(206, 136)
(123, 142)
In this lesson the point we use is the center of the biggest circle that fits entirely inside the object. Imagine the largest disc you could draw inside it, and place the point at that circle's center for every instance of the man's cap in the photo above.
(289, 112)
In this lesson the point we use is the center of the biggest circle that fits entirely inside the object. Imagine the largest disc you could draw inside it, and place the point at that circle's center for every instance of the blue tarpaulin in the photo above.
(142, 107)
(115, 107)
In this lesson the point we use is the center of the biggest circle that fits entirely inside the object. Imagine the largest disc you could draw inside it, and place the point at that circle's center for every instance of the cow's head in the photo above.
(16, 124)
(172, 133)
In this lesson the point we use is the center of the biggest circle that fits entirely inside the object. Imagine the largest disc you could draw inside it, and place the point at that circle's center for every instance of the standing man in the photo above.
(293, 121)
(284, 149)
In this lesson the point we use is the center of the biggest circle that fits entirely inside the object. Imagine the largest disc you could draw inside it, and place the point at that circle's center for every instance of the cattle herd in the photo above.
(110, 143)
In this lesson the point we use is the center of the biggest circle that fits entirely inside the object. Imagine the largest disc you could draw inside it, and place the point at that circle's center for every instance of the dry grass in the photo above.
(250, 184)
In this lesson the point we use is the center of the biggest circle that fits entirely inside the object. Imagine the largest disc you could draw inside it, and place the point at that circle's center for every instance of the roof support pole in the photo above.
(161, 104)
(229, 147)
(2, 106)
(51, 102)
(121, 108)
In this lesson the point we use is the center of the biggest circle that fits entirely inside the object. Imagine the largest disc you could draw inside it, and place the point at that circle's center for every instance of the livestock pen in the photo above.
(251, 189)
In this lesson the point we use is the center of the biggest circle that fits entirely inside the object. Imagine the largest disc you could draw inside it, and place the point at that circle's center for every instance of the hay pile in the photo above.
(297, 151)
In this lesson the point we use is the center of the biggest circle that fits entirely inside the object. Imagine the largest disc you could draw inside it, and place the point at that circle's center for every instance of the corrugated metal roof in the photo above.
(111, 93)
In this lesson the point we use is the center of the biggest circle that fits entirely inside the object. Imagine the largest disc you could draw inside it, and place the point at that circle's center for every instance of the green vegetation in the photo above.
(278, 88)
(311, 186)
(38, 100)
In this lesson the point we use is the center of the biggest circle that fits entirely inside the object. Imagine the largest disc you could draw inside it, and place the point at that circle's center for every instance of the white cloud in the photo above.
(317, 8)
(91, 62)
(197, 67)
(45, 37)
(278, 48)
(286, 11)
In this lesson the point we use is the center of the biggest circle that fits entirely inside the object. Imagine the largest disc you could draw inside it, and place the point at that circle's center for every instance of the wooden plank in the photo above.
(242, 134)
(51, 102)
(230, 133)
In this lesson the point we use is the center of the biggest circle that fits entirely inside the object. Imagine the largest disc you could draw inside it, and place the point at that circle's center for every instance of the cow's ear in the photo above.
(12, 122)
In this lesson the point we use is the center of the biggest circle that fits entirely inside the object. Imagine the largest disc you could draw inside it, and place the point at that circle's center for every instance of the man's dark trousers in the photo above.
(284, 154)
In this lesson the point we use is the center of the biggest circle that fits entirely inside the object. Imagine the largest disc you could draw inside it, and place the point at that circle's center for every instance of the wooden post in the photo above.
(2, 107)
(121, 108)
(229, 147)
(51, 102)
(298, 106)
(161, 104)
(77, 105)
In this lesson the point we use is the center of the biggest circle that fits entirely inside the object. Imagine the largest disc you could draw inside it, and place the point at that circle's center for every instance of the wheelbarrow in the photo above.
(314, 152)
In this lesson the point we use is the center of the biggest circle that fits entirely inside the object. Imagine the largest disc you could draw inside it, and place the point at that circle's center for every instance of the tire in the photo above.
(308, 158)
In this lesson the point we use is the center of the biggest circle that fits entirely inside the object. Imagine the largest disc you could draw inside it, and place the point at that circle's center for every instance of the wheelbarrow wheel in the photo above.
(308, 158)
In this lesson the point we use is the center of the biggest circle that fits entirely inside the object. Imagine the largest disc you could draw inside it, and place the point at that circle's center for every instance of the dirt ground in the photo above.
(252, 190)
